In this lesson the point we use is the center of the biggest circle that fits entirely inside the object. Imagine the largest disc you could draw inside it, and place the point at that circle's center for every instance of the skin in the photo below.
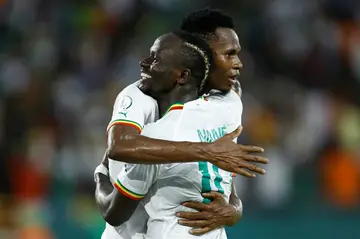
(226, 48)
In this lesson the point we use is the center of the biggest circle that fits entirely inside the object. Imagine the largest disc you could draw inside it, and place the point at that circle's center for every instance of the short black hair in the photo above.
(197, 56)
(205, 21)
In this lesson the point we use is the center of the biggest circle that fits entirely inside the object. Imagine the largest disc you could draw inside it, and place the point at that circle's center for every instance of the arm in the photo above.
(126, 145)
(114, 206)
(118, 202)
(132, 110)
(236, 203)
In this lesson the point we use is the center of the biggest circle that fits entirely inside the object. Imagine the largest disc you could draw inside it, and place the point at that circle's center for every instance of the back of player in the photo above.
(167, 186)
(132, 107)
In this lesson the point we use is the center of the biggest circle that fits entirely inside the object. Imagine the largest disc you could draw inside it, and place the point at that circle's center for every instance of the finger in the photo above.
(212, 195)
(255, 158)
(255, 168)
(245, 173)
(195, 205)
(194, 215)
(200, 231)
(215, 197)
(194, 223)
(235, 133)
(252, 149)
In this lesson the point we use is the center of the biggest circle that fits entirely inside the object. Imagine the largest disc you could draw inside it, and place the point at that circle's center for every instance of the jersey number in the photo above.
(210, 171)
(207, 176)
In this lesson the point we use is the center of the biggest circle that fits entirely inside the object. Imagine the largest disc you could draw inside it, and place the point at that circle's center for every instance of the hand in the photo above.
(210, 216)
(105, 160)
(232, 157)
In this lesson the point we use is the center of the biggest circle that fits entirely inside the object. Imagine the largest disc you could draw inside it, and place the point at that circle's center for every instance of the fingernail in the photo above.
(264, 171)
(178, 214)
(191, 231)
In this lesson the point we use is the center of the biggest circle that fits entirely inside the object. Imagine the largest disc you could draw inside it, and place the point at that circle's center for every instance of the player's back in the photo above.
(199, 121)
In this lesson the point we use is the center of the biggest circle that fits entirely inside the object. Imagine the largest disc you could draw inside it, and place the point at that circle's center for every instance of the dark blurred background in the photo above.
(62, 63)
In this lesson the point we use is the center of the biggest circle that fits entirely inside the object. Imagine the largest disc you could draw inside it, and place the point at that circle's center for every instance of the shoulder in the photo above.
(227, 105)
(134, 92)
(163, 128)
(224, 97)
(132, 95)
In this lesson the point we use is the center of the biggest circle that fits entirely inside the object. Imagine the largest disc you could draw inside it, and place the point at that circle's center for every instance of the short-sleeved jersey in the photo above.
(132, 107)
(163, 188)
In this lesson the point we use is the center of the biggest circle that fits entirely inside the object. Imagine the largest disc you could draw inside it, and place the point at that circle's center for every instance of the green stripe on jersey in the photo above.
(218, 179)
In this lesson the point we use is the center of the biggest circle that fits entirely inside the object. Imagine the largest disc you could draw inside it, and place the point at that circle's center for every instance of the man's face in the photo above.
(226, 48)
(160, 70)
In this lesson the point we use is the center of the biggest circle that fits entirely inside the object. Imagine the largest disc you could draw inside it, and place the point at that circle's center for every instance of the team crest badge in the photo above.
(125, 104)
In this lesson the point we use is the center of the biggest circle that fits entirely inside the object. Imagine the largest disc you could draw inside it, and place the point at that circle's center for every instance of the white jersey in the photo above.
(132, 107)
(166, 186)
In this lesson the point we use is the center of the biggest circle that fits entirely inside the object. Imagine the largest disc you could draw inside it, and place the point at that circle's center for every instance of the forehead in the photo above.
(226, 39)
(166, 43)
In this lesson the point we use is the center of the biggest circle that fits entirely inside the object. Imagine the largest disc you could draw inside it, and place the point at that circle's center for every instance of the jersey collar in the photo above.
(178, 106)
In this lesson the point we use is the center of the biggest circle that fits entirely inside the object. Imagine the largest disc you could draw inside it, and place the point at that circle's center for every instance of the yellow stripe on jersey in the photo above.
(203, 98)
(176, 106)
(126, 122)
(126, 192)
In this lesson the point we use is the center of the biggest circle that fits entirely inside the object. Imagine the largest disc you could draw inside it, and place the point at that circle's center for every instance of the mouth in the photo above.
(145, 76)
(233, 79)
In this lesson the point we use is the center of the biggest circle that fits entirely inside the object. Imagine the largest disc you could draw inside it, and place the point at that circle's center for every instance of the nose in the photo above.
(238, 64)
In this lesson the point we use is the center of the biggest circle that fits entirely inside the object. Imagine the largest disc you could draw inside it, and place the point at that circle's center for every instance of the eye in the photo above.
(232, 53)
(229, 54)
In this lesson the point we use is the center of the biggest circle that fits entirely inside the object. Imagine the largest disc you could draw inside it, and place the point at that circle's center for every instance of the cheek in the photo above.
(223, 64)
(160, 69)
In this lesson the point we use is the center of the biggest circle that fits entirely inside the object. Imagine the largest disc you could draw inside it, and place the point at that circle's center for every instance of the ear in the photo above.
(184, 77)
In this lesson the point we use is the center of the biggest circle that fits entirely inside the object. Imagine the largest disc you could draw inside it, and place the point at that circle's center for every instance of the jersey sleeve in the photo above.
(135, 180)
(131, 109)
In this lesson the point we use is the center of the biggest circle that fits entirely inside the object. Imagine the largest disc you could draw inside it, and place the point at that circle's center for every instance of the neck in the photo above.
(181, 94)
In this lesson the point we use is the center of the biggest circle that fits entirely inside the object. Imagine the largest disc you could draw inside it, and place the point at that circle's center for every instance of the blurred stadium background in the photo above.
(62, 63)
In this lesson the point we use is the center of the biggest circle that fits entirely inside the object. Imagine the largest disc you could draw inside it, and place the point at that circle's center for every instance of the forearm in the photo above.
(139, 149)
(237, 205)
(113, 210)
